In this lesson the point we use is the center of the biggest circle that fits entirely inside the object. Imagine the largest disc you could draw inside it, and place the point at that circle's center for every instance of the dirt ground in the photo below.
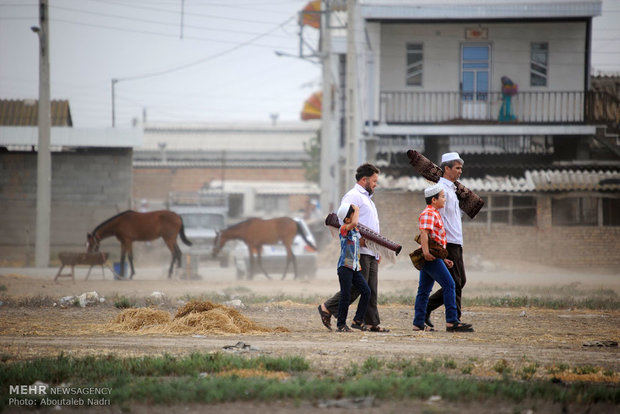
(514, 334)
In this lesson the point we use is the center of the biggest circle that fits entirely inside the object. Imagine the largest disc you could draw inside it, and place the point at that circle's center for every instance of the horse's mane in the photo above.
(110, 219)
(234, 226)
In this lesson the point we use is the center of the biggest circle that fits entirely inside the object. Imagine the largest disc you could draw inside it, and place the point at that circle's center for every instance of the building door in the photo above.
(475, 68)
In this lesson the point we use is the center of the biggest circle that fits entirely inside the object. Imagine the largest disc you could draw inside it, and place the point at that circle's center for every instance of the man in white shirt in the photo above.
(452, 166)
(367, 176)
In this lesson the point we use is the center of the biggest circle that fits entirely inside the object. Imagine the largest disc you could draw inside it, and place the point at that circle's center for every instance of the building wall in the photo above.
(156, 183)
(510, 54)
(87, 188)
(578, 246)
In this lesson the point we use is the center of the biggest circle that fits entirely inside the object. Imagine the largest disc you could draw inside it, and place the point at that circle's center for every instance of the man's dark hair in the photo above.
(365, 170)
(350, 212)
(449, 164)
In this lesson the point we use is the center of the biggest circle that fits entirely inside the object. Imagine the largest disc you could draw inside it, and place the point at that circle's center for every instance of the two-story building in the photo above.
(507, 84)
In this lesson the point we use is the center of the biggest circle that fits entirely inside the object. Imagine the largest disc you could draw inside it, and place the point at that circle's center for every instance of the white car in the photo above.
(273, 258)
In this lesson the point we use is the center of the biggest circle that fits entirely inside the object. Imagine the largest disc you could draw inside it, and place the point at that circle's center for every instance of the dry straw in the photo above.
(194, 318)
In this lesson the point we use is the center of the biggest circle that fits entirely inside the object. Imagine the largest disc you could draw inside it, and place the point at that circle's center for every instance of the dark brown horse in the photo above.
(256, 232)
(130, 226)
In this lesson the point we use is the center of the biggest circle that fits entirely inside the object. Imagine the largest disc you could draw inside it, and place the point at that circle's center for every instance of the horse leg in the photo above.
(290, 256)
(130, 255)
(250, 270)
(179, 255)
(260, 262)
(175, 252)
(288, 260)
(123, 253)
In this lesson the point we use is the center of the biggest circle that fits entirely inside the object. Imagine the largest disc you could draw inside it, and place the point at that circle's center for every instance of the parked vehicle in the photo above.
(204, 213)
(274, 257)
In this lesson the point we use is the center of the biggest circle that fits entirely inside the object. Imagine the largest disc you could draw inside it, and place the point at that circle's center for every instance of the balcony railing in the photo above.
(525, 107)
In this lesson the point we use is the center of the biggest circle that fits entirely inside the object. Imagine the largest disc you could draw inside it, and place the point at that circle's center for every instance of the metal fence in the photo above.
(525, 107)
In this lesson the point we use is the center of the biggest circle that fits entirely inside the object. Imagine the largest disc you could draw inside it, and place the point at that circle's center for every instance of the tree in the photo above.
(312, 166)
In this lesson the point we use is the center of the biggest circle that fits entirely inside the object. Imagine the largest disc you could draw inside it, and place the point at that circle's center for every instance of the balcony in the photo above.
(568, 107)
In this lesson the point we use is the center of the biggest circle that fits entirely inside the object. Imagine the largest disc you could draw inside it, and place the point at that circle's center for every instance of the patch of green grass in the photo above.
(585, 369)
(604, 303)
(123, 302)
(3, 288)
(372, 364)
(502, 367)
(193, 379)
(36, 301)
(528, 371)
(557, 368)
(467, 369)
(449, 363)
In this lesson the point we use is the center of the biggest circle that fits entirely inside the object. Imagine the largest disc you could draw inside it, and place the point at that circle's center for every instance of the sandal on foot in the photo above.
(460, 327)
(428, 322)
(344, 328)
(378, 329)
(326, 318)
(417, 328)
(359, 325)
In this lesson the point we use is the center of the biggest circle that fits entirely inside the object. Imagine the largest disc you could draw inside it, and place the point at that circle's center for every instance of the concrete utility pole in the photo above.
(351, 149)
(114, 82)
(44, 159)
(329, 139)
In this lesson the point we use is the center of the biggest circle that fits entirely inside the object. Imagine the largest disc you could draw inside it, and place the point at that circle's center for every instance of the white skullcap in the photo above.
(343, 210)
(432, 190)
(451, 156)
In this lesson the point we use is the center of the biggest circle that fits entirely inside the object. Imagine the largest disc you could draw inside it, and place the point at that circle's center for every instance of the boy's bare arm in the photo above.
(354, 219)
(424, 235)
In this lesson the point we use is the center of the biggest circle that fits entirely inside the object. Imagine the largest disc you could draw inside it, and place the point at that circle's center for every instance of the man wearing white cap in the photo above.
(452, 166)
(367, 176)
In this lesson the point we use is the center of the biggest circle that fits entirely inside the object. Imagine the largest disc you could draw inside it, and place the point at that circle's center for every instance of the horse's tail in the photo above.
(300, 230)
(182, 233)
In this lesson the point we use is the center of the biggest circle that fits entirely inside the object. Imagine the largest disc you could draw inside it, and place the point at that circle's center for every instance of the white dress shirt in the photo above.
(368, 212)
(451, 213)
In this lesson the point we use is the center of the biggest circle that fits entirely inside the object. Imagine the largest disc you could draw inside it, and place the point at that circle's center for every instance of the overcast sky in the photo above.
(224, 68)
(230, 69)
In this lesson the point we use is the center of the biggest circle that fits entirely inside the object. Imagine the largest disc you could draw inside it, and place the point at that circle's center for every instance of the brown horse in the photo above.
(130, 226)
(256, 232)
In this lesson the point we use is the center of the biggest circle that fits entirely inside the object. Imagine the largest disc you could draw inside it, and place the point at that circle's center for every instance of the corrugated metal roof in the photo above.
(478, 9)
(533, 181)
(283, 136)
(267, 187)
(25, 112)
(216, 164)
(11, 136)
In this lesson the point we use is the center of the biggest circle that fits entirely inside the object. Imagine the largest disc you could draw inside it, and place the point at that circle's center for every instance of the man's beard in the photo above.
(369, 189)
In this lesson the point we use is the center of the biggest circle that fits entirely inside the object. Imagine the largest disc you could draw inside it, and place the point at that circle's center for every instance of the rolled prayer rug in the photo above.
(374, 241)
(469, 201)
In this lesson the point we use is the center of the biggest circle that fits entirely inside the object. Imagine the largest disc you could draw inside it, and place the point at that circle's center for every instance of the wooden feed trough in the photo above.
(73, 258)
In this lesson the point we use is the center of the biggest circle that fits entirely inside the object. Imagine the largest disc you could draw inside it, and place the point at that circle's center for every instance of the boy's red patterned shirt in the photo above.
(430, 219)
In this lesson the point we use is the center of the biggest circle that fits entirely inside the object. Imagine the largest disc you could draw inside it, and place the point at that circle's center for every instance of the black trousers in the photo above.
(455, 253)
(370, 268)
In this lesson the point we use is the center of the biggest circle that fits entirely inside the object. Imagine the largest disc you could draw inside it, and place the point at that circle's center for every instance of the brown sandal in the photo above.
(378, 329)
(326, 318)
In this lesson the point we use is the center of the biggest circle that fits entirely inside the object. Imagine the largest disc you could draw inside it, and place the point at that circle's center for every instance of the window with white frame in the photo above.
(510, 209)
(539, 63)
(272, 202)
(574, 211)
(415, 54)
(586, 210)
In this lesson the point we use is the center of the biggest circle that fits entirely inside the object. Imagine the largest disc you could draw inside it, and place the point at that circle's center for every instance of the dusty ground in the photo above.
(541, 335)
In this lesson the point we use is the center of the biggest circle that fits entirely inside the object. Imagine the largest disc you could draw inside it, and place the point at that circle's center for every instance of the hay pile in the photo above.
(131, 320)
(193, 318)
